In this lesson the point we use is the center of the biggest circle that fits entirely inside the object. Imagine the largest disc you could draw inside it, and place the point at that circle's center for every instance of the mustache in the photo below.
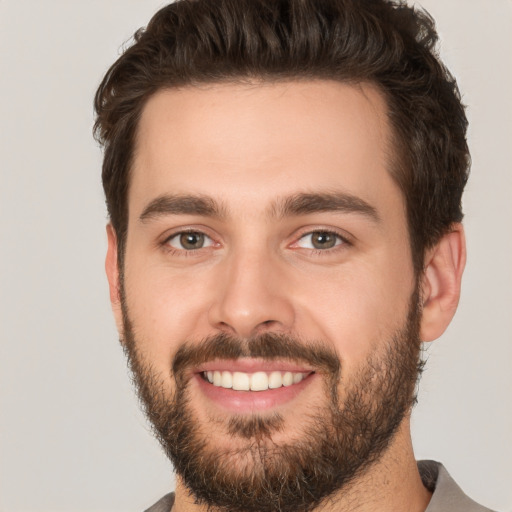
(269, 346)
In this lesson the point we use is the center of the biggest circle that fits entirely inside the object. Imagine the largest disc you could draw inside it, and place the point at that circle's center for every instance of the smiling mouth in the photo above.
(257, 381)
(252, 385)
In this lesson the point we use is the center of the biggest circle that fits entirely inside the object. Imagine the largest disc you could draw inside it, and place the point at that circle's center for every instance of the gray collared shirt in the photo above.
(447, 496)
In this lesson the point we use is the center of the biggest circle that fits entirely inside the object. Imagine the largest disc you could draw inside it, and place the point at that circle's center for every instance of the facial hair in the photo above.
(339, 441)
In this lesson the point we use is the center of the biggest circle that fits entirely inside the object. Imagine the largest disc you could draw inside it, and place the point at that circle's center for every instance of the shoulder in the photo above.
(163, 505)
(447, 496)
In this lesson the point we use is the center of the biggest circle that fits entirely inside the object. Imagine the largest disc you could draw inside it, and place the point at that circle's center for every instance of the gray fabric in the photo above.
(447, 495)
(163, 505)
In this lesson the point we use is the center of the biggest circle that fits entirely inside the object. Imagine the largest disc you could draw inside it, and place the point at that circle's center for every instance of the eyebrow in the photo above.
(304, 203)
(182, 205)
(295, 205)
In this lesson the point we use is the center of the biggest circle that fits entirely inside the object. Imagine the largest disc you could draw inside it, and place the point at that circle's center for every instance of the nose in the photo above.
(252, 296)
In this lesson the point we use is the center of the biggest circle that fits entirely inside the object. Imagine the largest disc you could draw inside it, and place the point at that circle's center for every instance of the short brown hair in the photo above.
(382, 42)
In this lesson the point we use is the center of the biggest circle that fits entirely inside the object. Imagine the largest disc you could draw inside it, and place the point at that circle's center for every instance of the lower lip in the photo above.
(251, 401)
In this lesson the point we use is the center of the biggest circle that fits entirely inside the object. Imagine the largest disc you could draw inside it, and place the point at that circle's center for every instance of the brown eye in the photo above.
(189, 241)
(321, 240)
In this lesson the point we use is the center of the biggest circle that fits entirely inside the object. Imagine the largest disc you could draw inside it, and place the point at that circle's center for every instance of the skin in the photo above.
(247, 147)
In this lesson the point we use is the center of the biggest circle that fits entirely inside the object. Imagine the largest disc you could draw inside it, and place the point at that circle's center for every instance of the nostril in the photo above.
(266, 326)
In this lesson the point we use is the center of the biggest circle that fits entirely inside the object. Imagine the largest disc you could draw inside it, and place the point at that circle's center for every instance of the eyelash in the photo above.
(316, 252)
(345, 242)
(184, 252)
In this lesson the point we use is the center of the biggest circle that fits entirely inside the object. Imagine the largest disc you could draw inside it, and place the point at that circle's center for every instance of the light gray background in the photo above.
(71, 436)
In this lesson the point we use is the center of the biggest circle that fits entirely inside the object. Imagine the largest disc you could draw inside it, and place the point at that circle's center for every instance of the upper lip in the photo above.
(252, 365)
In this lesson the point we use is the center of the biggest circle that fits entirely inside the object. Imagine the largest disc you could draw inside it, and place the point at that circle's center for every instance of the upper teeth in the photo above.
(259, 381)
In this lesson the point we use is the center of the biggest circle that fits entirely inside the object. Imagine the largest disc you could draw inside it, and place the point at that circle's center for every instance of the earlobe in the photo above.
(112, 270)
(444, 265)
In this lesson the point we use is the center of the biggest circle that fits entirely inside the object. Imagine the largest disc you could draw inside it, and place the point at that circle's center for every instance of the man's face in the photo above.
(267, 248)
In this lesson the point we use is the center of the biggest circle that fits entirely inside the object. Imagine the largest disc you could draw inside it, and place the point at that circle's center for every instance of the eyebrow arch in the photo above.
(295, 205)
(181, 205)
(306, 203)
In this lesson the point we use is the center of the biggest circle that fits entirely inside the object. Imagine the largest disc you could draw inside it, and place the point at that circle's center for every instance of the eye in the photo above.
(189, 240)
(320, 240)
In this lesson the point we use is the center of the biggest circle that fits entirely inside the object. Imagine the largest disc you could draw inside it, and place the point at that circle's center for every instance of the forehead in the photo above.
(238, 142)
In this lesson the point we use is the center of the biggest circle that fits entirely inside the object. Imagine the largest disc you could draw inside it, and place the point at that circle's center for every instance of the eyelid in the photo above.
(338, 239)
(169, 235)
(346, 239)
(208, 240)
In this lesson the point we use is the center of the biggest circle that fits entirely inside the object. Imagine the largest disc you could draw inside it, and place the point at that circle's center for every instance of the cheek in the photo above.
(165, 308)
(356, 309)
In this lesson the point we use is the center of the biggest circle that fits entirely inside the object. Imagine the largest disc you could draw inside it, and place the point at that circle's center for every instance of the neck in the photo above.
(391, 484)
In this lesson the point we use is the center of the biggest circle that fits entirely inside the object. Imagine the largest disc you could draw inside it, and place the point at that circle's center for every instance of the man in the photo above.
(284, 184)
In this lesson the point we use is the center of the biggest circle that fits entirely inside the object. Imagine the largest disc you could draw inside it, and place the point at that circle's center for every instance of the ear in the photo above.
(112, 270)
(444, 265)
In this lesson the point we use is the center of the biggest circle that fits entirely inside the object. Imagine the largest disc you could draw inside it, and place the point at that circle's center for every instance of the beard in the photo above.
(339, 439)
